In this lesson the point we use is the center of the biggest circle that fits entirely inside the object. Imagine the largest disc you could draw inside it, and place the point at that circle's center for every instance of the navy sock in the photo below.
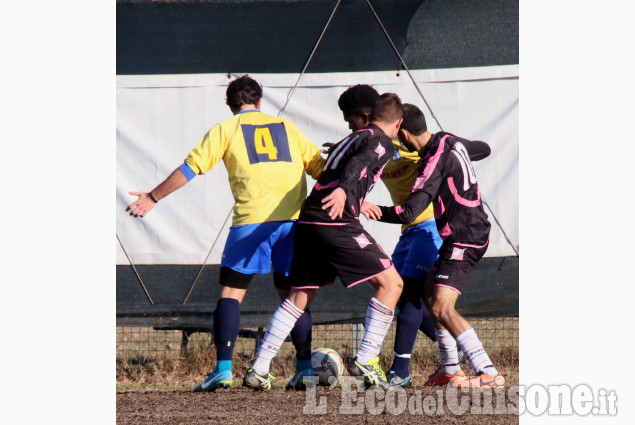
(408, 321)
(226, 326)
(302, 335)
(427, 326)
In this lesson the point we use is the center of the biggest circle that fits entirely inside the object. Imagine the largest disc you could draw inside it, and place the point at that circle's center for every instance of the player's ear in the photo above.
(258, 104)
(365, 117)
(403, 134)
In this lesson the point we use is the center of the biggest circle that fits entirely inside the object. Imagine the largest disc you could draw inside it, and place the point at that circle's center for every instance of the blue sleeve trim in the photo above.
(187, 171)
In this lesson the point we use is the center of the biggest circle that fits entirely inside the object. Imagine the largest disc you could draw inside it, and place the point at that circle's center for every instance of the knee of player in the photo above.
(395, 287)
(441, 312)
(389, 281)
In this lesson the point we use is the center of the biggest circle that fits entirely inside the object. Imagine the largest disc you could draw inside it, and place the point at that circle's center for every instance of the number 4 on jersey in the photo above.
(266, 143)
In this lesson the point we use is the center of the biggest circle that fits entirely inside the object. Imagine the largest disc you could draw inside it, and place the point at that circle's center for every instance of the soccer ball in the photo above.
(326, 363)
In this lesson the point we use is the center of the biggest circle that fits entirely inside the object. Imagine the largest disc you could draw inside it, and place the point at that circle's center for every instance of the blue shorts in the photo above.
(417, 250)
(255, 248)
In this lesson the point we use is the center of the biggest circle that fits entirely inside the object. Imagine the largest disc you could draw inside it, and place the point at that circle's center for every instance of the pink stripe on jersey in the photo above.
(398, 209)
(439, 208)
(445, 231)
(385, 262)
(446, 286)
(431, 165)
(322, 224)
(334, 183)
(460, 199)
(473, 246)
(378, 175)
(363, 173)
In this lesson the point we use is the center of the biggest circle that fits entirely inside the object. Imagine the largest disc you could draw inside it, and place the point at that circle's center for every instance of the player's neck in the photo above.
(244, 108)
(386, 128)
(422, 140)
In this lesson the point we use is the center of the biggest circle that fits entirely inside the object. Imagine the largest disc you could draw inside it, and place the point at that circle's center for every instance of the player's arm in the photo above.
(201, 159)
(425, 188)
(416, 203)
(476, 149)
(366, 158)
(147, 200)
(370, 211)
(371, 155)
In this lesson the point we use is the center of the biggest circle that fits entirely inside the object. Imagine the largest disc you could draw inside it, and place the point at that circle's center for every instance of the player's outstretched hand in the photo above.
(141, 206)
(326, 147)
(335, 201)
(370, 211)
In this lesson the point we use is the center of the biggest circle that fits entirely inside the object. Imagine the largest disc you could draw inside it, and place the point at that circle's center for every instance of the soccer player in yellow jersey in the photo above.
(266, 160)
(418, 245)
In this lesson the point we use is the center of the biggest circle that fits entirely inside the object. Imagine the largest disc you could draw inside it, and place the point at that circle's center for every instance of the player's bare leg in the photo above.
(388, 287)
(301, 298)
(443, 312)
(235, 293)
(448, 350)
(454, 332)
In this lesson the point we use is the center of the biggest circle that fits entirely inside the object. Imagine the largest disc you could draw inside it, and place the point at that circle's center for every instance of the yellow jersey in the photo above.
(399, 177)
(266, 159)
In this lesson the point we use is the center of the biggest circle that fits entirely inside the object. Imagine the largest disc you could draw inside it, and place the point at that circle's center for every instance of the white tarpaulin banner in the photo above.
(160, 118)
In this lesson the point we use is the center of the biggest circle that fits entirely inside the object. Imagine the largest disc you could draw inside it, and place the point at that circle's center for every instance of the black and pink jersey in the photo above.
(446, 178)
(353, 164)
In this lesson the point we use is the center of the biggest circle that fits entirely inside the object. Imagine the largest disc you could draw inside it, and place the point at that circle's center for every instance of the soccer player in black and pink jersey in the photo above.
(330, 241)
(446, 178)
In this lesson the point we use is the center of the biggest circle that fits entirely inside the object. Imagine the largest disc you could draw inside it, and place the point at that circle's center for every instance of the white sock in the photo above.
(448, 352)
(378, 320)
(475, 353)
(280, 325)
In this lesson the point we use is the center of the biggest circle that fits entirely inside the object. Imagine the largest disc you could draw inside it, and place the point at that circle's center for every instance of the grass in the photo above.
(151, 361)
(180, 373)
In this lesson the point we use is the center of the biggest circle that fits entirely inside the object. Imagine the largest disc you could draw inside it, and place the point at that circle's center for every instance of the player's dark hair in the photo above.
(243, 91)
(413, 120)
(387, 108)
(357, 99)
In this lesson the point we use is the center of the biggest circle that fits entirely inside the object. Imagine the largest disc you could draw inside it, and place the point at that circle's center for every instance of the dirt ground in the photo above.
(160, 393)
(245, 406)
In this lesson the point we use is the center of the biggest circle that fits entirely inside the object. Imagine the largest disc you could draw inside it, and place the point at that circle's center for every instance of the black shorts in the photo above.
(323, 252)
(455, 263)
(235, 279)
